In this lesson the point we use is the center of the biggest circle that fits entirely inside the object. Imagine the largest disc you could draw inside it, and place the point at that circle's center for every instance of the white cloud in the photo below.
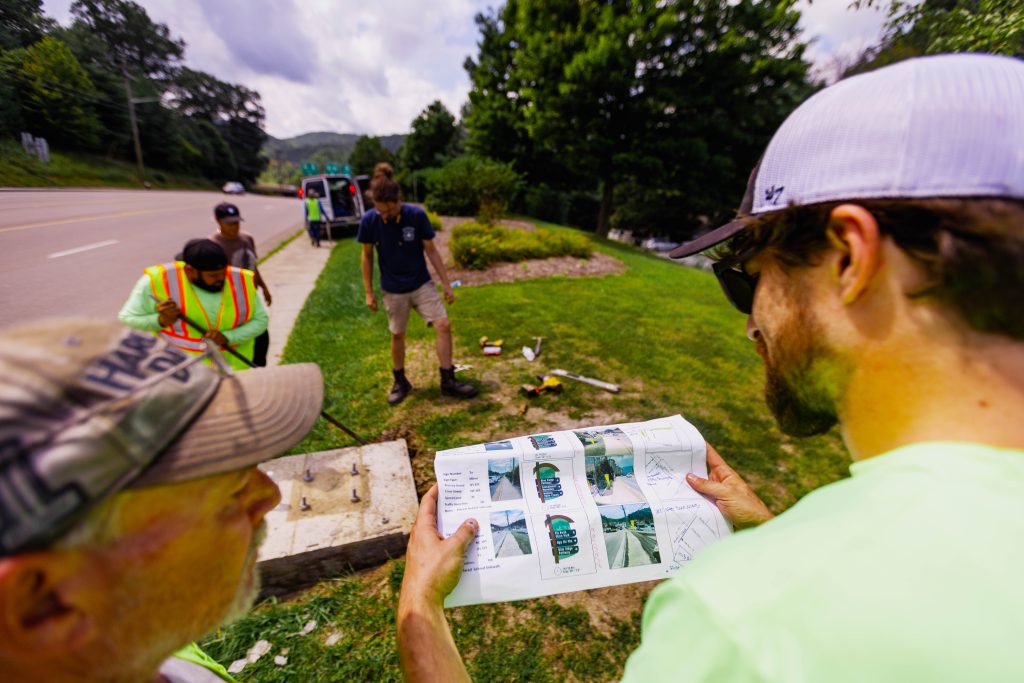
(837, 34)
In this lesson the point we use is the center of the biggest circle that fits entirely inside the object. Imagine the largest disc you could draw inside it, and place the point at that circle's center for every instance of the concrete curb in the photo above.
(291, 275)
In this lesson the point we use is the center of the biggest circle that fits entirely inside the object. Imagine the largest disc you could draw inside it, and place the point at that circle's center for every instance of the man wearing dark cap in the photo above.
(240, 249)
(131, 507)
(879, 258)
(204, 288)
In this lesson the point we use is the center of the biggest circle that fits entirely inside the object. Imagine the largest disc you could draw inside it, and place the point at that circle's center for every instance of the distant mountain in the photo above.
(336, 145)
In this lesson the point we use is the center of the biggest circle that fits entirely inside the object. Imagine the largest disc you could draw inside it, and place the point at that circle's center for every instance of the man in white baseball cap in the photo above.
(131, 507)
(879, 257)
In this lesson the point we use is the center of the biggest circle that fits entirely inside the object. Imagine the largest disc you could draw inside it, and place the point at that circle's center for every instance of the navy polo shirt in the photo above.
(400, 255)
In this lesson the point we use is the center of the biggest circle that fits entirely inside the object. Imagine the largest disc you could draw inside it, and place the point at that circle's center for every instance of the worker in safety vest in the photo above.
(315, 216)
(204, 288)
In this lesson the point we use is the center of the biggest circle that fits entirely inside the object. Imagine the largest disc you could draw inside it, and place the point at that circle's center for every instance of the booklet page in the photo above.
(576, 509)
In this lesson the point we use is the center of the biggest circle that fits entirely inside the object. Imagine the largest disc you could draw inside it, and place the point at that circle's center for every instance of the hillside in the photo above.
(338, 145)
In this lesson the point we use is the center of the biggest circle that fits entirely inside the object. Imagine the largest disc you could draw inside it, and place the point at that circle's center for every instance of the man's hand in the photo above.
(731, 494)
(449, 295)
(266, 295)
(371, 301)
(432, 564)
(218, 338)
(168, 312)
(432, 568)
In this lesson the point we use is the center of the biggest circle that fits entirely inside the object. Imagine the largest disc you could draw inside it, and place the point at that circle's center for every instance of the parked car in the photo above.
(659, 244)
(341, 198)
(233, 187)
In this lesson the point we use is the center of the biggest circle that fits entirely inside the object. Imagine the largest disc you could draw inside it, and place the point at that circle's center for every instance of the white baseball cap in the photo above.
(941, 126)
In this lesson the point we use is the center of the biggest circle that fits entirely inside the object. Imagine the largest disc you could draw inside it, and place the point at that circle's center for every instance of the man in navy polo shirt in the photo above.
(404, 239)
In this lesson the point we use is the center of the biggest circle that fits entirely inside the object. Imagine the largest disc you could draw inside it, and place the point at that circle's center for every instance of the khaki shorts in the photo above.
(425, 300)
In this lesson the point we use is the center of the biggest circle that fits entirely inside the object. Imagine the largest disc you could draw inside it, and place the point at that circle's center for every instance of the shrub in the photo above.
(475, 246)
(472, 186)
(435, 221)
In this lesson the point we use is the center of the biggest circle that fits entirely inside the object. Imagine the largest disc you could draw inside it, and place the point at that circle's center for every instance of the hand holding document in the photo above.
(576, 509)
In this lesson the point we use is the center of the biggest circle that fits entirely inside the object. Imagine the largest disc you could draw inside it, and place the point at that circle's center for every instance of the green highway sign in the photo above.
(310, 169)
(346, 169)
(331, 169)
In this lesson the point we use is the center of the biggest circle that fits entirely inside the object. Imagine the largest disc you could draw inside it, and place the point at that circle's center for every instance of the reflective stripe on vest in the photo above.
(313, 209)
(237, 303)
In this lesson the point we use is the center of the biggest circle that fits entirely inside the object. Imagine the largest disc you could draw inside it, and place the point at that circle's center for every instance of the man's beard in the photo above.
(248, 583)
(793, 390)
(219, 287)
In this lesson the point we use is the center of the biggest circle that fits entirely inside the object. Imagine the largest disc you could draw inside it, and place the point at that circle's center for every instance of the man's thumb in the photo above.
(707, 487)
(465, 534)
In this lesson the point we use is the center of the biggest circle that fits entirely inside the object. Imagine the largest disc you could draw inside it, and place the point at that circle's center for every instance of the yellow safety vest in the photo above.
(237, 304)
(313, 209)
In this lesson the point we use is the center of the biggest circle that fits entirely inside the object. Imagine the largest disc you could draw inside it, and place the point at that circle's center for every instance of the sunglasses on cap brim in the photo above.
(738, 285)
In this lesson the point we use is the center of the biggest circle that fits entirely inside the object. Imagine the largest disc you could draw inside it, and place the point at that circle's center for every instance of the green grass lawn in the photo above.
(663, 332)
(83, 170)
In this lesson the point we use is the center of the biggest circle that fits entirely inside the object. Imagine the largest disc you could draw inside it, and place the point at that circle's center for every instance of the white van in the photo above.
(341, 198)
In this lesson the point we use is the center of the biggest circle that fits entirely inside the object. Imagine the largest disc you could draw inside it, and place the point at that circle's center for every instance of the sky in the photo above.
(370, 67)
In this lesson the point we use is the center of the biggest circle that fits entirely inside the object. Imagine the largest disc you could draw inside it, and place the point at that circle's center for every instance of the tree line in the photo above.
(72, 85)
(649, 115)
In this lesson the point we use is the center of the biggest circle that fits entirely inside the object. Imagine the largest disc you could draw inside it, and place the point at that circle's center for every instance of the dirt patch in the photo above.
(569, 266)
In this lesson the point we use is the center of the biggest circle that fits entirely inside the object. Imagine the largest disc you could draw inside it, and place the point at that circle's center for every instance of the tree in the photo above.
(235, 111)
(495, 116)
(433, 138)
(671, 100)
(368, 151)
(133, 42)
(935, 26)
(55, 94)
(22, 23)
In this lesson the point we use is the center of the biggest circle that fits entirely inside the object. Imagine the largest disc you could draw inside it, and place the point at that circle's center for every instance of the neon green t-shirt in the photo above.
(911, 570)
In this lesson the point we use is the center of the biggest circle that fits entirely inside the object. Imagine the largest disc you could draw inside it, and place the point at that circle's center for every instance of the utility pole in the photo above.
(135, 127)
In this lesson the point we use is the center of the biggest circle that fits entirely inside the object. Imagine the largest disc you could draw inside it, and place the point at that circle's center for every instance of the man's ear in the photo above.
(190, 272)
(853, 232)
(42, 613)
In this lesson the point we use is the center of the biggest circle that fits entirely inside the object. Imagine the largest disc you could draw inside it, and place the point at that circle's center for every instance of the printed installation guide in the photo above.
(576, 509)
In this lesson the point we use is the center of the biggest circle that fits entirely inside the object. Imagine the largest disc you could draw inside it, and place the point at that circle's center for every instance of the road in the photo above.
(624, 490)
(78, 252)
(505, 490)
(507, 545)
(626, 549)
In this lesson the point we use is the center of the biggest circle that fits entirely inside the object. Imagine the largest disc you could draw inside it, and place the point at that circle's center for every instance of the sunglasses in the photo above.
(736, 283)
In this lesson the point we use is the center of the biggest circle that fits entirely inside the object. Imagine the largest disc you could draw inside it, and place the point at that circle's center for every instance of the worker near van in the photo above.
(203, 287)
(315, 216)
(132, 505)
(240, 249)
(404, 240)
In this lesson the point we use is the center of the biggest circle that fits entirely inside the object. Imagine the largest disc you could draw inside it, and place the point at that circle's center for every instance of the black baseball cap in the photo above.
(204, 254)
(227, 212)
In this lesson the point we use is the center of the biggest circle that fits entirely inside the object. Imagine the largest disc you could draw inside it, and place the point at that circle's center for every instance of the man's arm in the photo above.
(367, 266)
(432, 569)
(258, 279)
(252, 328)
(140, 311)
(435, 259)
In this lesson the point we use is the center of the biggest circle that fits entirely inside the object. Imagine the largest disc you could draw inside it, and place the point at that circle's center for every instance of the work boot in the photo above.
(453, 387)
(400, 389)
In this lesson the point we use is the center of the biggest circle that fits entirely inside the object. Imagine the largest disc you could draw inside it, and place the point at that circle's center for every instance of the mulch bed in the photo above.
(569, 266)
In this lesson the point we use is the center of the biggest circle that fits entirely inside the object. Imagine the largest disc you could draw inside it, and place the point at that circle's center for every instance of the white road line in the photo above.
(78, 250)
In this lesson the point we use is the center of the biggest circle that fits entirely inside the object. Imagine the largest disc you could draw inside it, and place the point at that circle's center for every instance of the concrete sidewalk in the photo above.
(291, 275)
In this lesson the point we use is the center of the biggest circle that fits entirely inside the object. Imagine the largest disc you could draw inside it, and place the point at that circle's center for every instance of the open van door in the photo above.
(341, 199)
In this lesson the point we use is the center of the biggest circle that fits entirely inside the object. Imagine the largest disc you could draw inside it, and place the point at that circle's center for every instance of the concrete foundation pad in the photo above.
(351, 518)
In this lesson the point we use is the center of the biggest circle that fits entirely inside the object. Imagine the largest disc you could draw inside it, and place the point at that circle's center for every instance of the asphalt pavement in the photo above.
(78, 252)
